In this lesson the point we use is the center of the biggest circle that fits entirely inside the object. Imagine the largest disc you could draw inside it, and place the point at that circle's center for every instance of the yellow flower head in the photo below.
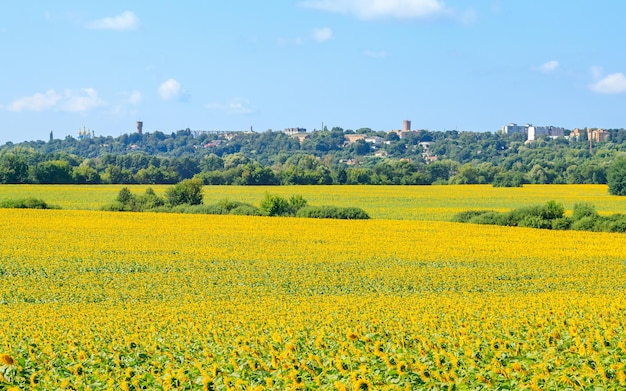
(5, 359)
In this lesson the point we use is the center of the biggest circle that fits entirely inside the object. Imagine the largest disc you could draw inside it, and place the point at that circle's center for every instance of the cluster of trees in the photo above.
(274, 158)
(548, 216)
(186, 197)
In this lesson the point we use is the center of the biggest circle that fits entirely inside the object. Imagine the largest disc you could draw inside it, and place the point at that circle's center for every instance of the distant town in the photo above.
(512, 156)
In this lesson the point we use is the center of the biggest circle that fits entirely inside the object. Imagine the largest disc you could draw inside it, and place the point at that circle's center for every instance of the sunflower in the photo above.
(362, 385)
(5, 359)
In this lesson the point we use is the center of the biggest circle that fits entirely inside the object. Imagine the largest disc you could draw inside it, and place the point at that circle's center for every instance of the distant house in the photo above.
(374, 140)
(294, 131)
(353, 138)
(598, 135)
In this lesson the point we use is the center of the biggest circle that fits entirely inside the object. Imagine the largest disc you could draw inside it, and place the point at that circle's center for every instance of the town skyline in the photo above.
(445, 65)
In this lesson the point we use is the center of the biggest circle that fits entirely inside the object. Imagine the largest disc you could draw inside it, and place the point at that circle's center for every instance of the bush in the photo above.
(584, 209)
(26, 203)
(188, 191)
(273, 205)
(562, 223)
(584, 224)
(245, 210)
(535, 222)
(466, 216)
(493, 218)
(332, 212)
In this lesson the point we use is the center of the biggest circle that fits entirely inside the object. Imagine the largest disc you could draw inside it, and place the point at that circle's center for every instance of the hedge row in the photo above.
(548, 216)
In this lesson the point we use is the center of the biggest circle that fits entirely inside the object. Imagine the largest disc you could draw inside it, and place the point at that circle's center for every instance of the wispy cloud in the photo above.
(71, 101)
(375, 53)
(85, 100)
(614, 83)
(235, 106)
(124, 21)
(322, 34)
(377, 9)
(170, 89)
(549, 66)
(37, 102)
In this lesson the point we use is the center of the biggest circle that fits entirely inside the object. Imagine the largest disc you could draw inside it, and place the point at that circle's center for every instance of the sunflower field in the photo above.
(94, 300)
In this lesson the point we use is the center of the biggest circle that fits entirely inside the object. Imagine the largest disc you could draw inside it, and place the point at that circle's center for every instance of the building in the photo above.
(139, 127)
(292, 131)
(514, 128)
(85, 134)
(406, 129)
(598, 135)
(354, 137)
(549, 131)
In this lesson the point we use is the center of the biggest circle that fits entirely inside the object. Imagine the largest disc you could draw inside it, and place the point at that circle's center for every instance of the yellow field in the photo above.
(381, 202)
(96, 300)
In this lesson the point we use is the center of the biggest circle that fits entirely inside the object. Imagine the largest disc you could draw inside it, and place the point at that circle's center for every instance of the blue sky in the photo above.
(232, 65)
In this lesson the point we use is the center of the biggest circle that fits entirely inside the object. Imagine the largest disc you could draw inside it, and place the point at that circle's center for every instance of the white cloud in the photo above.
(376, 9)
(124, 21)
(614, 83)
(170, 89)
(135, 97)
(375, 54)
(235, 106)
(322, 34)
(71, 101)
(86, 100)
(549, 66)
(38, 102)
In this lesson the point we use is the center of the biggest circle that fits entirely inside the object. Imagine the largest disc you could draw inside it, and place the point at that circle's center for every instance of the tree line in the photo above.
(274, 158)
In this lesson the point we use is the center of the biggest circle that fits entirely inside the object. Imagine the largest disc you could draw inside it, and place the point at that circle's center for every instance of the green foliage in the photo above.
(508, 179)
(188, 192)
(332, 212)
(616, 177)
(467, 215)
(584, 209)
(274, 205)
(26, 203)
(548, 216)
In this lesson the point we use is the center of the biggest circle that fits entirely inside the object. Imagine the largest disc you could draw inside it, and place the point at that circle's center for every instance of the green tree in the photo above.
(188, 191)
(616, 177)
(13, 169)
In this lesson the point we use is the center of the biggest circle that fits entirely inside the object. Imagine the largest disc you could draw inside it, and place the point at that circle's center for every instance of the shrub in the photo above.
(27, 203)
(583, 209)
(245, 210)
(273, 205)
(493, 218)
(188, 191)
(332, 212)
(535, 222)
(562, 223)
(585, 223)
(466, 216)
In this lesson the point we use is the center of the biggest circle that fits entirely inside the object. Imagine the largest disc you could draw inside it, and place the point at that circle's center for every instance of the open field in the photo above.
(97, 300)
(381, 202)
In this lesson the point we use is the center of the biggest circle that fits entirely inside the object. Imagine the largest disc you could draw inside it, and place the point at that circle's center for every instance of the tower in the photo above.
(406, 126)
(139, 127)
